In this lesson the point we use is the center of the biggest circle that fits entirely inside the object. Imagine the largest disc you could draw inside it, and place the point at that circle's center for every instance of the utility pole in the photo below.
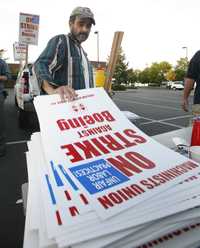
(186, 52)
(97, 33)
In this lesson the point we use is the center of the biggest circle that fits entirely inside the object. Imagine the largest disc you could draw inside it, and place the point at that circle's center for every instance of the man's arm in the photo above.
(47, 87)
(44, 66)
(3, 78)
(188, 86)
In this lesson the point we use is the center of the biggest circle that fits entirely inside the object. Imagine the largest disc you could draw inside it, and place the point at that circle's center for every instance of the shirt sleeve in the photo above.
(194, 67)
(48, 60)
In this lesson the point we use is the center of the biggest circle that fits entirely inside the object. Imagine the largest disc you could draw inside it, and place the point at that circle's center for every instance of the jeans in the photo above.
(2, 123)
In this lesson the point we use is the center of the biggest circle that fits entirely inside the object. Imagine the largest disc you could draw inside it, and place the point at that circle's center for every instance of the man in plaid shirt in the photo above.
(63, 66)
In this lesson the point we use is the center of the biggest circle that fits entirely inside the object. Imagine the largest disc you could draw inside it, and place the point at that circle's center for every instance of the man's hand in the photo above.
(66, 93)
(185, 105)
(188, 86)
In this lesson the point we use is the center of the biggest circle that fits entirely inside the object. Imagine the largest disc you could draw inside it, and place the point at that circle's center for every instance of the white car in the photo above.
(25, 89)
(177, 85)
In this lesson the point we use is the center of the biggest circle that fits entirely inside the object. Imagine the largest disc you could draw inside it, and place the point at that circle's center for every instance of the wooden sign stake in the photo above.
(113, 59)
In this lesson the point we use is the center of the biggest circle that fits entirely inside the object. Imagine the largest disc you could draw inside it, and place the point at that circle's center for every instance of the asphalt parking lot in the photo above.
(159, 111)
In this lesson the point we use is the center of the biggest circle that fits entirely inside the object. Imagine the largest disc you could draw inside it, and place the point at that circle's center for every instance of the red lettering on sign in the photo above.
(136, 164)
(99, 145)
(71, 151)
(121, 195)
(62, 124)
(73, 211)
(84, 199)
(88, 149)
(105, 144)
(59, 221)
(111, 143)
(107, 115)
(84, 121)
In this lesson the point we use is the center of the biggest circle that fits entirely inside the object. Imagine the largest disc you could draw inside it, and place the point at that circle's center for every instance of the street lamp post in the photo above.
(186, 52)
(97, 33)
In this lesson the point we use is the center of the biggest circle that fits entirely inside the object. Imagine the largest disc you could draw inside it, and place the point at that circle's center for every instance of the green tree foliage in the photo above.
(144, 76)
(180, 69)
(155, 74)
(133, 76)
(170, 75)
(158, 72)
(121, 70)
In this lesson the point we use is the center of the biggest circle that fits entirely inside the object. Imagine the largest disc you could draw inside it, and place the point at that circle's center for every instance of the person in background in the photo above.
(4, 75)
(63, 66)
(192, 76)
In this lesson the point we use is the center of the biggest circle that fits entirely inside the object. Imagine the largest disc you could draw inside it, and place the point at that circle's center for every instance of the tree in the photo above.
(144, 76)
(170, 75)
(133, 76)
(121, 70)
(181, 68)
(158, 72)
(154, 74)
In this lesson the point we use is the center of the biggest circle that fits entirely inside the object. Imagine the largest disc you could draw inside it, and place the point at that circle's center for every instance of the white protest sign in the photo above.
(28, 28)
(51, 218)
(180, 238)
(110, 159)
(19, 51)
(70, 203)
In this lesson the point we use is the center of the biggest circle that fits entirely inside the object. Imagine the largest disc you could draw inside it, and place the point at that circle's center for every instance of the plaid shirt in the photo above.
(52, 64)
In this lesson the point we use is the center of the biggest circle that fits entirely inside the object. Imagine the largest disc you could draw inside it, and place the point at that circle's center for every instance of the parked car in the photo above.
(177, 85)
(164, 84)
(26, 88)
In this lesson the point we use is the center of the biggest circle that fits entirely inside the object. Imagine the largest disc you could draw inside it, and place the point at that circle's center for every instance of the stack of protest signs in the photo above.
(96, 180)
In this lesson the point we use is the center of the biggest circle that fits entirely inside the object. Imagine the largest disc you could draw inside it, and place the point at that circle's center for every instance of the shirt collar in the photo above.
(71, 36)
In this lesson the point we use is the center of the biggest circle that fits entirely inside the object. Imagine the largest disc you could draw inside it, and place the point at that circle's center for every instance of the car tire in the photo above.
(23, 119)
(33, 122)
(28, 120)
(16, 103)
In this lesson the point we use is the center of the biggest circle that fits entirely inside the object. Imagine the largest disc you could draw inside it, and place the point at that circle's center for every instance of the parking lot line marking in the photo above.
(177, 117)
(149, 104)
(158, 99)
(165, 123)
(160, 121)
(167, 119)
(16, 142)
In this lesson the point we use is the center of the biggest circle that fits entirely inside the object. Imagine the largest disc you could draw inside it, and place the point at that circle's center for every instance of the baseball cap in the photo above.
(83, 12)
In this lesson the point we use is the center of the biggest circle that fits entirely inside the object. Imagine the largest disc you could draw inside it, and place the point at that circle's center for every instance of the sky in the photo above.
(154, 30)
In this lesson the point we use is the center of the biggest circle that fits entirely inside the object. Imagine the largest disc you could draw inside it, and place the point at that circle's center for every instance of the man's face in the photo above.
(80, 28)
